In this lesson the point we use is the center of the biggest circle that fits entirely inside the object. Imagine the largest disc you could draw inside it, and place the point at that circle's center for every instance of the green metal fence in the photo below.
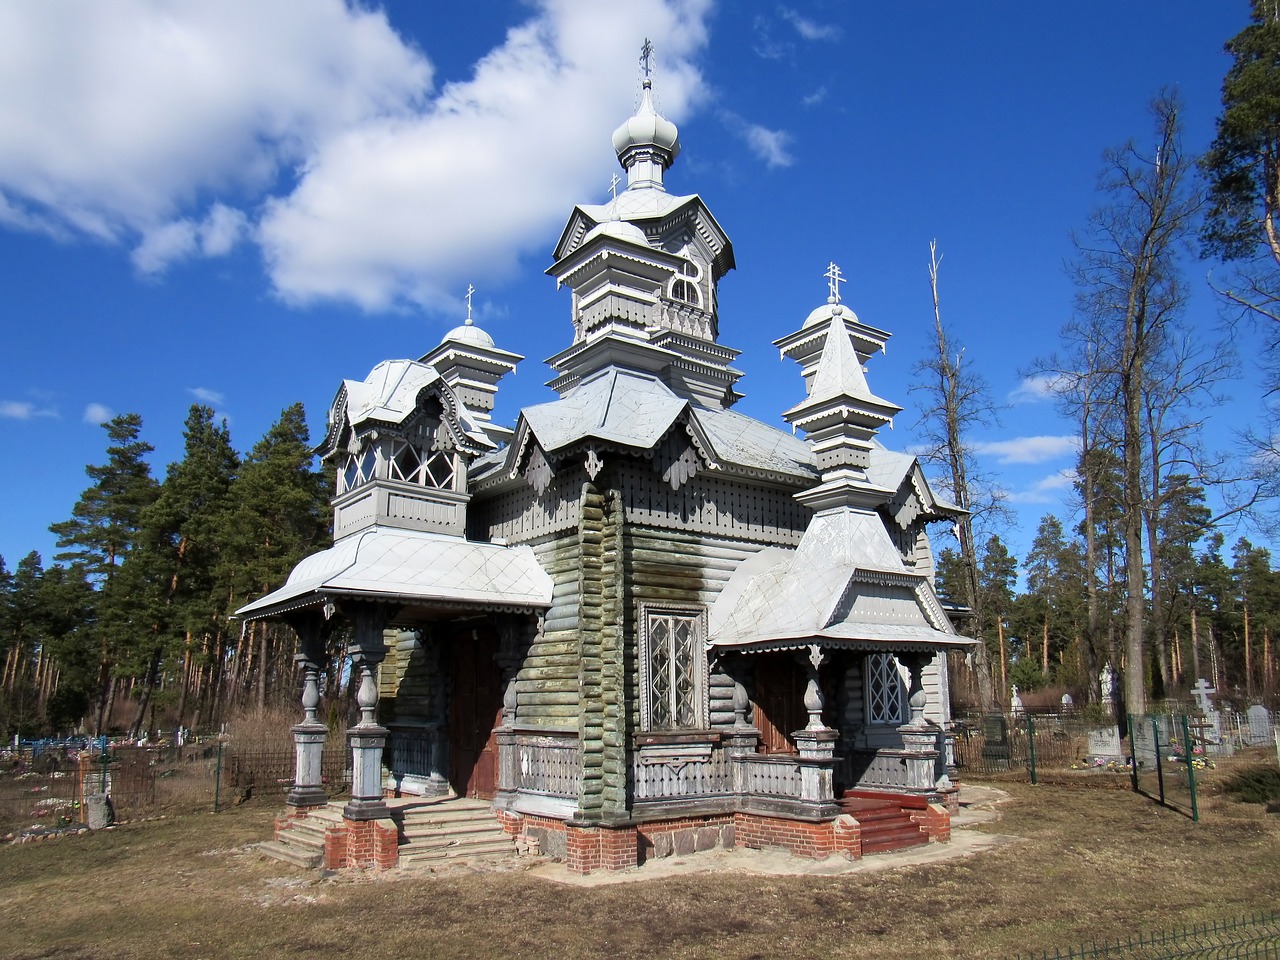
(1255, 937)
(1159, 755)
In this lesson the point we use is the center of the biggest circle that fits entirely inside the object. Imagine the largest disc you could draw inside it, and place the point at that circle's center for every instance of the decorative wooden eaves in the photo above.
(449, 434)
(688, 210)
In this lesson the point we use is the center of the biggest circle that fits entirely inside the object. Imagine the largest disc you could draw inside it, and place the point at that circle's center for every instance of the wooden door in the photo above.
(779, 701)
(475, 709)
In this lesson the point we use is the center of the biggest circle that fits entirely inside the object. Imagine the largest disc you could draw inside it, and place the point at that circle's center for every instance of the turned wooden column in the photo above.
(312, 627)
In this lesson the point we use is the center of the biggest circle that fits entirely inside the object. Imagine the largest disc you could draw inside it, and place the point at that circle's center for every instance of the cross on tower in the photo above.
(470, 291)
(834, 279)
(646, 57)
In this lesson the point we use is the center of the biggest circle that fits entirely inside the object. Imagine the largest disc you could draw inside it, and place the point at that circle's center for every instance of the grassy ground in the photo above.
(1090, 864)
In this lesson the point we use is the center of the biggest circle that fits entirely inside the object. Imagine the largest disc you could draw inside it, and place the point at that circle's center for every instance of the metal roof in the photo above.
(409, 566)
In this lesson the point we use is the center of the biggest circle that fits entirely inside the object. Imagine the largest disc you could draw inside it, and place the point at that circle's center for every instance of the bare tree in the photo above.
(959, 402)
(1132, 296)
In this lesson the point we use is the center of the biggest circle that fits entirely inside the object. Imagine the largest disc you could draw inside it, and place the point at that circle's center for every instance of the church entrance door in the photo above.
(779, 701)
(475, 708)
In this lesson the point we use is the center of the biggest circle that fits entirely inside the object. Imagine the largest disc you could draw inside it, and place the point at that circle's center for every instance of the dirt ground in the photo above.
(1048, 867)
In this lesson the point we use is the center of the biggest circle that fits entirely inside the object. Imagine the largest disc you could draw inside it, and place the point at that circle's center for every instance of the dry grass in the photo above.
(1091, 864)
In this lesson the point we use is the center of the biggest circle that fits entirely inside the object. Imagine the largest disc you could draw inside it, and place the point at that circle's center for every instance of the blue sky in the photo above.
(243, 203)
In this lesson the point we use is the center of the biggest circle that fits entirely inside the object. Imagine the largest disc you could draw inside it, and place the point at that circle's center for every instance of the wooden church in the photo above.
(638, 622)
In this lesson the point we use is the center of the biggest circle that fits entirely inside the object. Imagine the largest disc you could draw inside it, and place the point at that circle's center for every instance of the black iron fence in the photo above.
(1255, 937)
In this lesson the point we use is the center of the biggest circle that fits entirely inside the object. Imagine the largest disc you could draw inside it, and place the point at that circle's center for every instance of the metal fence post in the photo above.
(217, 779)
(1189, 753)
(1155, 738)
(1031, 745)
(1133, 752)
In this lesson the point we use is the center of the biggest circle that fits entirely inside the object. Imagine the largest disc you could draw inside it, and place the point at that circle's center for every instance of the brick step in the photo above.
(291, 854)
(897, 840)
(888, 831)
(877, 815)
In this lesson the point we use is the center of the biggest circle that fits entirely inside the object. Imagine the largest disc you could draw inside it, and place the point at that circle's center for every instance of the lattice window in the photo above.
(359, 469)
(673, 669)
(407, 463)
(885, 692)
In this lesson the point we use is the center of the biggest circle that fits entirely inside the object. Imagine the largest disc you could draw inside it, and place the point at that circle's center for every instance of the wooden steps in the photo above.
(886, 821)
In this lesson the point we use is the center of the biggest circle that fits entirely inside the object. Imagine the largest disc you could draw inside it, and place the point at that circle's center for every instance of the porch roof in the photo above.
(845, 586)
(411, 566)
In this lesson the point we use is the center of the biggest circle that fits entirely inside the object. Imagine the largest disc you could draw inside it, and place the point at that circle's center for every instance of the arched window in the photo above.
(684, 287)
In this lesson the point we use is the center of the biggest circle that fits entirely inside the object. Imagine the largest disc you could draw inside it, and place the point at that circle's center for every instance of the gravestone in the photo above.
(995, 737)
(1104, 743)
(1259, 729)
(1144, 745)
(99, 812)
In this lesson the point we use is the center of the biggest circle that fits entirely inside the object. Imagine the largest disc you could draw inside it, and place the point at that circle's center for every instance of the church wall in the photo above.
(547, 683)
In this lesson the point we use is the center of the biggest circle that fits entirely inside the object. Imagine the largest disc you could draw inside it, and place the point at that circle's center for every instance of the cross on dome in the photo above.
(834, 279)
(470, 290)
(613, 185)
(646, 58)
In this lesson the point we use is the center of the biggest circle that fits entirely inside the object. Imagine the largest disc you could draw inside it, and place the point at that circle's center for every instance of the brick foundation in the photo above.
(816, 840)
(362, 843)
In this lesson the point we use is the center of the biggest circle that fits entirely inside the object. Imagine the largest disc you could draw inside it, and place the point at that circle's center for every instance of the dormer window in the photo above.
(684, 288)
(358, 470)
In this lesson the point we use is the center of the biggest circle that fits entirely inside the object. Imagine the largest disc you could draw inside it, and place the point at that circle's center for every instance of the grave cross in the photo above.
(1201, 692)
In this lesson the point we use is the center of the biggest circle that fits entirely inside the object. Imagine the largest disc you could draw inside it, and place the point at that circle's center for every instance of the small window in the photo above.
(359, 469)
(673, 669)
(885, 691)
(684, 288)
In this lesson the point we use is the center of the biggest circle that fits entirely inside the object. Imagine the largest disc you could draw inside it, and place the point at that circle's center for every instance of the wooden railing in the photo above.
(547, 765)
(770, 776)
(661, 780)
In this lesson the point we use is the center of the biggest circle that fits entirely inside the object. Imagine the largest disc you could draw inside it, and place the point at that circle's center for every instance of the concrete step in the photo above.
(457, 828)
(290, 854)
(488, 850)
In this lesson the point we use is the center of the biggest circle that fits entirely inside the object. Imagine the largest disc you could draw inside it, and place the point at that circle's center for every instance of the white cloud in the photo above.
(1028, 449)
(118, 116)
(183, 238)
(24, 410)
(815, 98)
(371, 187)
(206, 396)
(406, 207)
(770, 146)
(1038, 387)
(1046, 490)
(97, 413)
(809, 29)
